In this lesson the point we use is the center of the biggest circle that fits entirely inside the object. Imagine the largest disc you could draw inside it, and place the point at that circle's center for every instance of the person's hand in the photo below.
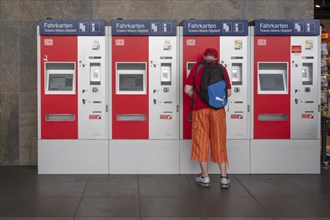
(189, 90)
(229, 92)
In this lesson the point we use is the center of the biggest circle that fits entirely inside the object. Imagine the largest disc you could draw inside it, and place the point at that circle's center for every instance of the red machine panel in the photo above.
(193, 49)
(58, 49)
(271, 49)
(129, 49)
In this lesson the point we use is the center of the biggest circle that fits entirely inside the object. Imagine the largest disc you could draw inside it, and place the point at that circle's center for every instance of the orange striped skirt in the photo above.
(209, 131)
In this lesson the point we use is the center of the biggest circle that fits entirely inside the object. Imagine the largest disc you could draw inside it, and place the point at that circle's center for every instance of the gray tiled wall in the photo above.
(18, 49)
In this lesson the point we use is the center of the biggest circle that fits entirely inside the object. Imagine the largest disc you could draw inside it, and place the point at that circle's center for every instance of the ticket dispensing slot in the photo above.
(272, 117)
(60, 117)
(236, 73)
(307, 74)
(131, 78)
(165, 73)
(272, 78)
(130, 117)
(95, 73)
(60, 78)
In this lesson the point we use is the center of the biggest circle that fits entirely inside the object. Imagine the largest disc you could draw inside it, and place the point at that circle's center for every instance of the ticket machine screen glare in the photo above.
(271, 82)
(307, 74)
(236, 74)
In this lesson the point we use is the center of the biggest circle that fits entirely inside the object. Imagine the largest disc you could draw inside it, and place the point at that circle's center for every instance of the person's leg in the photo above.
(200, 137)
(200, 144)
(223, 169)
(218, 131)
(204, 168)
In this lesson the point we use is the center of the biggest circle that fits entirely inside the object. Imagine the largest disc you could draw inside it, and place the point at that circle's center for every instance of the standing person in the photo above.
(208, 123)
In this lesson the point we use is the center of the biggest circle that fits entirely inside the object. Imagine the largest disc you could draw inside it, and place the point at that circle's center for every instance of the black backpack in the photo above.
(213, 88)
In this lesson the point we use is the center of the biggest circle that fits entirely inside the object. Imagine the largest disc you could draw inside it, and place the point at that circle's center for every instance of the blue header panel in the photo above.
(75, 27)
(143, 27)
(287, 27)
(215, 27)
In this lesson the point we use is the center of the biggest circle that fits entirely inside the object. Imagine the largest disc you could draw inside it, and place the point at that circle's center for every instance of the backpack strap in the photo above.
(196, 73)
(194, 90)
(198, 69)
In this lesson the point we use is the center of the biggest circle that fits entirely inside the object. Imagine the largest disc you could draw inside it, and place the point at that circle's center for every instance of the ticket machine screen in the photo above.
(131, 82)
(271, 82)
(60, 82)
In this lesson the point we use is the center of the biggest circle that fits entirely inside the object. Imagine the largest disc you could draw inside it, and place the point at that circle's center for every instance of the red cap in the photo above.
(211, 51)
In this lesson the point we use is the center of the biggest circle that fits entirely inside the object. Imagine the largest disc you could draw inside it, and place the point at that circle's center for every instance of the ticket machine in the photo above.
(145, 97)
(230, 38)
(285, 88)
(72, 96)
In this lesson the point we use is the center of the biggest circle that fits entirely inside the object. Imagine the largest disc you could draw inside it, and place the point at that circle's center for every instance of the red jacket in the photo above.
(198, 102)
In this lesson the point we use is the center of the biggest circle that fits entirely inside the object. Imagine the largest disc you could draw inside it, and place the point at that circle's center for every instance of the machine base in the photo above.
(73, 157)
(144, 156)
(238, 155)
(285, 156)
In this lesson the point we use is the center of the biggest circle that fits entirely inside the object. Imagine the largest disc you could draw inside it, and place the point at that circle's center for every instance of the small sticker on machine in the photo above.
(236, 116)
(262, 42)
(165, 117)
(191, 42)
(296, 49)
(120, 42)
(48, 42)
(307, 116)
(238, 44)
(94, 116)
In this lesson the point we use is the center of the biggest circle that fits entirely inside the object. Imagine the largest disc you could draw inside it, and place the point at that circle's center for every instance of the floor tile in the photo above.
(64, 177)
(37, 218)
(319, 191)
(162, 178)
(170, 208)
(233, 208)
(15, 189)
(47, 207)
(246, 178)
(274, 190)
(105, 218)
(109, 207)
(70, 188)
(111, 189)
(113, 178)
(241, 219)
(165, 189)
(302, 218)
(173, 218)
(8, 204)
(293, 208)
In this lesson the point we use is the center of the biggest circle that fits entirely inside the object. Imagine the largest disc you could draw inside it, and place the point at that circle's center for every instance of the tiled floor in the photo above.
(26, 195)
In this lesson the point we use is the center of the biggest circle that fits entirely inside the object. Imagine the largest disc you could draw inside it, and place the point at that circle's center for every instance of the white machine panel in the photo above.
(92, 93)
(73, 156)
(234, 56)
(163, 88)
(283, 156)
(305, 88)
(143, 157)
